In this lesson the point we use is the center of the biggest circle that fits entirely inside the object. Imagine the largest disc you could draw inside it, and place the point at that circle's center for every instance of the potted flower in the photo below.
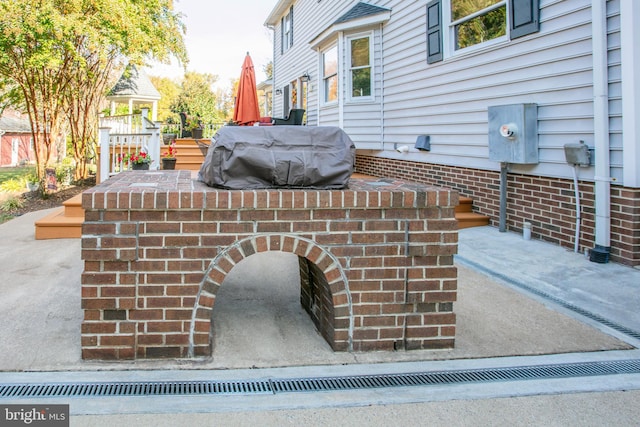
(195, 126)
(169, 157)
(139, 160)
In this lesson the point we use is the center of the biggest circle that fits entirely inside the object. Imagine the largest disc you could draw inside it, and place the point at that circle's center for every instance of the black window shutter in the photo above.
(281, 36)
(434, 31)
(524, 17)
(291, 26)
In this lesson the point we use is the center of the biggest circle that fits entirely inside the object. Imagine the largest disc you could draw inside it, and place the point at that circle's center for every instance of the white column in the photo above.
(154, 111)
(105, 155)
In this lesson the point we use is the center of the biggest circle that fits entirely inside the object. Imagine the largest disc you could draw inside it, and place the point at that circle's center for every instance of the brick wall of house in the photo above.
(376, 261)
(547, 203)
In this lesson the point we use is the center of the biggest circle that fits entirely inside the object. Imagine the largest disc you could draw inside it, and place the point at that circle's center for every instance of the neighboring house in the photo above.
(390, 71)
(16, 143)
(265, 96)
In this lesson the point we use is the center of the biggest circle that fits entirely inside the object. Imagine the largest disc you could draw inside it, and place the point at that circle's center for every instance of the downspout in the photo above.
(318, 84)
(602, 177)
(341, 80)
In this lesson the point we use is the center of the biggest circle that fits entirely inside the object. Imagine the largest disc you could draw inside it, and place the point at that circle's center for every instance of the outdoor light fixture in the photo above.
(305, 77)
(278, 91)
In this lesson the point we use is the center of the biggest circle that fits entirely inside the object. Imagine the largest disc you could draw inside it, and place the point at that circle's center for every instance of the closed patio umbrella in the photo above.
(247, 111)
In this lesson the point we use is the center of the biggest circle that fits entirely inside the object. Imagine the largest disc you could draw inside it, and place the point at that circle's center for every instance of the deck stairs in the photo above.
(62, 223)
(466, 217)
(66, 221)
(190, 153)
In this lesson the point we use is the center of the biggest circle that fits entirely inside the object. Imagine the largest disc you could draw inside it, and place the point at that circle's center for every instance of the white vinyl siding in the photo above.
(448, 100)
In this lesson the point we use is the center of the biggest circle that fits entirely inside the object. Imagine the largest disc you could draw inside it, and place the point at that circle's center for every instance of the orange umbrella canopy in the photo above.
(247, 111)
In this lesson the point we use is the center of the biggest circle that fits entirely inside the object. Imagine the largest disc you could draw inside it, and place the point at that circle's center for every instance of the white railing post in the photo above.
(153, 140)
(105, 154)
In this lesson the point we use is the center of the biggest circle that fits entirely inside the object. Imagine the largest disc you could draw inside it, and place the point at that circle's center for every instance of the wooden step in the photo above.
(62, 223)
(470, 219)
(190, 155)
(466, 217)
(465, 204)
(73, 206)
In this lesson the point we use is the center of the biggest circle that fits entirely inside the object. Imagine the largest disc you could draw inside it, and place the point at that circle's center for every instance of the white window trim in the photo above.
(449, 37)
(323, 102)
(348, 69)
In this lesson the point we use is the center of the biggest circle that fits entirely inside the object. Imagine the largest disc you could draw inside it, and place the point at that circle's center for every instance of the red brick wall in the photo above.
(548, 203)
(377, 261)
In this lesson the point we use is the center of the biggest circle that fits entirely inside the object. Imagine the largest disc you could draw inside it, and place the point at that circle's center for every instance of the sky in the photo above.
(219, 35)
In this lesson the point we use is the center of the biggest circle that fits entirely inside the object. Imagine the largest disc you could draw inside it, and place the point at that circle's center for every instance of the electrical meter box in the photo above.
(513, 133)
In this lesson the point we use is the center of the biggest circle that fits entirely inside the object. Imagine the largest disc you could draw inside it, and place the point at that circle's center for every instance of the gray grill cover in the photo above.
(278, 156)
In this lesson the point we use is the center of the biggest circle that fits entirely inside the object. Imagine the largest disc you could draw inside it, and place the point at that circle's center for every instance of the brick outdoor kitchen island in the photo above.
(376, 261)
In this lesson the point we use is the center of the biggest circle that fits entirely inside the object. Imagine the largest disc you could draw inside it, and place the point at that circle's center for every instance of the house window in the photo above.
(360, 67)
(286, 31)
(330, 74)
(456, 25)
(478, 21)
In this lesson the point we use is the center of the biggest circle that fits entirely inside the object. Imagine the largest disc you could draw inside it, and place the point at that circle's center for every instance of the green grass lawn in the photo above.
(11, 181)
(16, 173)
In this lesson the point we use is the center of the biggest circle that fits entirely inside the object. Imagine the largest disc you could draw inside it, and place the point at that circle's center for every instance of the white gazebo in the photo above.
(134, 88)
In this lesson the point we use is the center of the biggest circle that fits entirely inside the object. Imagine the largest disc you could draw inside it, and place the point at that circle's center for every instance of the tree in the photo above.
(28, 35)
(483, 27)
(268, 69)
(197, 97)
(61, 54)
(169, 91)
(87, 88)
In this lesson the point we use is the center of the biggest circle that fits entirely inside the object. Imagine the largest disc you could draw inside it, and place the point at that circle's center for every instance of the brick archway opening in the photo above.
(259, 318)
(324, 292)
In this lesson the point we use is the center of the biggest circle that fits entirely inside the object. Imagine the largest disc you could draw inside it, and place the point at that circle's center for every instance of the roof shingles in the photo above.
(360, 10)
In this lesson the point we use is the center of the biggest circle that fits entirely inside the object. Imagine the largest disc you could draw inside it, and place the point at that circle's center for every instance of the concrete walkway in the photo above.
(520, 303)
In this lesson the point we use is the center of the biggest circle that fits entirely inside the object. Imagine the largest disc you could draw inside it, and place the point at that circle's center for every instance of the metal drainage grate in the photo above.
(293, 385)
(155, 388)
(560, 302)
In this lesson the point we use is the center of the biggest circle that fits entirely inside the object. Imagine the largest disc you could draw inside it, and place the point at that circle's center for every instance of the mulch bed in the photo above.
(34, 201)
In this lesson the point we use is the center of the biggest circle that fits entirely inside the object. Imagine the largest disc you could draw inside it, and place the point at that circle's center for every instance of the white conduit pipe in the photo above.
(576, 245)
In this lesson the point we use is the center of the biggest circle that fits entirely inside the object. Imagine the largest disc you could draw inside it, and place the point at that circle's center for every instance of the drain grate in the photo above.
(294, 385)
(576, 309)
(155, 388)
